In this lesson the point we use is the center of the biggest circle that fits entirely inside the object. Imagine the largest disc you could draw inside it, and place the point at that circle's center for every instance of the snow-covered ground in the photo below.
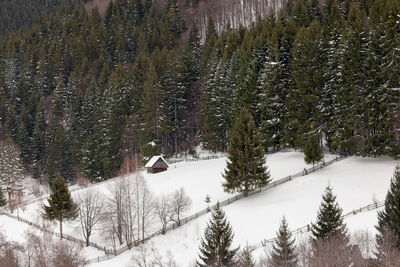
(356, 181)
(198, 178)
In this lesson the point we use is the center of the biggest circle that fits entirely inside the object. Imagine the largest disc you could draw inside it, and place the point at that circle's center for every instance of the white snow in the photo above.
(356, 181)
(153, 160)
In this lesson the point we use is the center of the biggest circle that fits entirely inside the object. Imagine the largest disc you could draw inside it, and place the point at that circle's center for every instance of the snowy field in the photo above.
(356, 181)
(198, 178)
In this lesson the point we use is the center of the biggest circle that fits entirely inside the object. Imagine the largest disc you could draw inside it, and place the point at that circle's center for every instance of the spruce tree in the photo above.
(215, 245)
(283, 250)
(329, 219)
(388, 236)
(245, 169)
(245, 258)
(330, 239)
(3, 200)
(39, 141)
(61, 205)
(312, 151)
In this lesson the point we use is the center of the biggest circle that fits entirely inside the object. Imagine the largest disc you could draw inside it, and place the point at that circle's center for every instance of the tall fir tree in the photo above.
(215, 245)
(329, 234)
(245, 170)
(283, 250)
(39, 141)
(329, 219)
(3, 200)
(217, 108)
(388, 236)
(312, 150)
(61, 206)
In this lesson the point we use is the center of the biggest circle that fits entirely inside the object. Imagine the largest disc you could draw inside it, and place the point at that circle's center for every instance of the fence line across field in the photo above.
(65, 236)
(110, 252)
(229, 201)
(307, 228)
(170, 161)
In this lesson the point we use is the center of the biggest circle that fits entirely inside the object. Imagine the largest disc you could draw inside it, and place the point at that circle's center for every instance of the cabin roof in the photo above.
(153, 161)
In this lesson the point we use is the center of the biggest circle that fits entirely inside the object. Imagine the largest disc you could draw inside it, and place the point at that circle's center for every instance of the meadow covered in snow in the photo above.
(356, 181)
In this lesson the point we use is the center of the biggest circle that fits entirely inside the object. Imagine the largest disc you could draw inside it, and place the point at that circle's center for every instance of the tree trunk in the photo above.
(61, 221)
(87, 239)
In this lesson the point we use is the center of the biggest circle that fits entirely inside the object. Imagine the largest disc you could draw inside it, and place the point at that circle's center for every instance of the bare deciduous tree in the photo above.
(10, 253)
(38, 249)
(365, 241)
(163, 211)
(180, 203)
(113, 224)
(145, 257)
(65, 255)
(129, 211)
(144, 204)
(90, 212)
(11, 169)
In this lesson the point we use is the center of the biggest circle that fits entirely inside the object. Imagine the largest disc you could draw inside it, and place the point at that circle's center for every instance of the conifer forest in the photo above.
(147, 119)
(80, 90)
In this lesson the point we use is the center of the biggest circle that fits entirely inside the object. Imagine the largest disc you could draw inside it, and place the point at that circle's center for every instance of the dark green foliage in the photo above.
(215, 245)
(39, 141)
(217, 108)
(283, 250)
(61, 206)
(59, 158)
(17, 14)
(388, 237)
(137, 81)
(245, 258)
(312, 150)
(3, 201)
(245, 169)
(329, 234)
(329, 219)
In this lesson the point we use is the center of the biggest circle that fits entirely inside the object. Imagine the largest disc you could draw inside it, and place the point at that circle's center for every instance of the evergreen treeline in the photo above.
(16, 14)
(80, 92)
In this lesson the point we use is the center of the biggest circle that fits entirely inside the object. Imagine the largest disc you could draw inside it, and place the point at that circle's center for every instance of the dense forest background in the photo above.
(82, 91)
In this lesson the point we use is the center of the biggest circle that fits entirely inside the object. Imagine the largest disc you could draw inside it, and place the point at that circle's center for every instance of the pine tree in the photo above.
(245, 170)
(3, 201)
(283, 250)
(215, 245)
(152, 115)
(271, 82)
(304, 103)
(24, 139)
(388, 236)
(245, 258)
(330, 219)
(55, 160)
(216, 107)
(61, 205)
(330, 239)
(312, 150)
(39, 141)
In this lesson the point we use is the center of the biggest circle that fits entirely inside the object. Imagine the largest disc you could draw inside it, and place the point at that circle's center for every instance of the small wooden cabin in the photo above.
(156, 164)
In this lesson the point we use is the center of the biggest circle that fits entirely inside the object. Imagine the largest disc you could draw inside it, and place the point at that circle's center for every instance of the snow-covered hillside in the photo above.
(356, 181)
(198, 178)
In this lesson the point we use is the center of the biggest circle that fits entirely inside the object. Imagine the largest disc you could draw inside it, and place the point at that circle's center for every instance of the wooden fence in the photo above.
(227, 202)
(65, 236)
(307, 228)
